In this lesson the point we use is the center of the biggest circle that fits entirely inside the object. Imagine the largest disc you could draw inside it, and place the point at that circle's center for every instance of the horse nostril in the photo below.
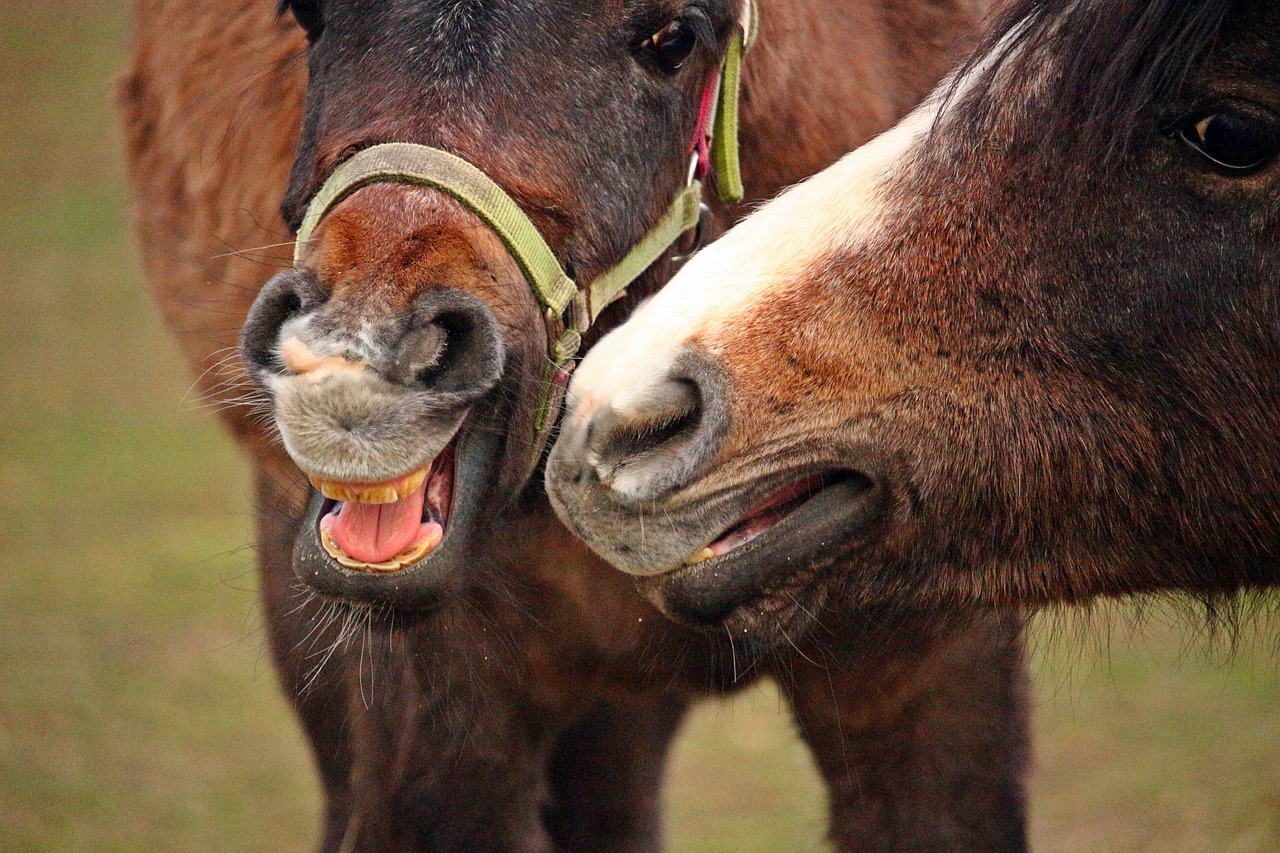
(671, 411)
(664, 436)
(285, 296)
(455, 334)
(453, 346)
(420, 354)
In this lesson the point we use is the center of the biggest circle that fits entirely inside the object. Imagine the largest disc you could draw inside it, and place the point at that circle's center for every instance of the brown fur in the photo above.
(535, 712)
(1036, 317)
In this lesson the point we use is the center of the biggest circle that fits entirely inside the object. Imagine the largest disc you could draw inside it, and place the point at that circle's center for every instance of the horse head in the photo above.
(413, 355)
(1021, 348)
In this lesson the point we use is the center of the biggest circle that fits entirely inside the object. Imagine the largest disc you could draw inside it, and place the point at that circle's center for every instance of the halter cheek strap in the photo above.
(569, 309)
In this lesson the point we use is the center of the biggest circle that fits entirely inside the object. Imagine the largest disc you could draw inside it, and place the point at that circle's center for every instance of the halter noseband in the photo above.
(569, 309)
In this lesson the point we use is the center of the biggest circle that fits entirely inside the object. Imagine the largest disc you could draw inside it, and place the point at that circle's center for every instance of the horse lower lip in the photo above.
(406, 558)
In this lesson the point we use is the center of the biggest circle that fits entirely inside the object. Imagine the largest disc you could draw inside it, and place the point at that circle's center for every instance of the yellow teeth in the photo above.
(700, 557)
(374, 493)
(403, 560)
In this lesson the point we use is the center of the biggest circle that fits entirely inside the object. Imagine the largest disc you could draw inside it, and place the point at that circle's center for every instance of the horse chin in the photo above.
(770, 587)
(430, 581)
(770, 618)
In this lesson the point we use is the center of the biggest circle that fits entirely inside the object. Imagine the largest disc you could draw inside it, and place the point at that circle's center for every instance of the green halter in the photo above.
(569, 308)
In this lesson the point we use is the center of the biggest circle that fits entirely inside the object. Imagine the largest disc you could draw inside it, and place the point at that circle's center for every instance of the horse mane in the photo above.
(1118, 57)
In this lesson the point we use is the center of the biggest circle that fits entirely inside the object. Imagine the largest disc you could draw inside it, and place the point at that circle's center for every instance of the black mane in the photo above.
(1119, 56)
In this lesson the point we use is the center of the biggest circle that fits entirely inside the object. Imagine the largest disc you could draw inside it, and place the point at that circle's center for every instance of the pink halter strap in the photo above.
(700, 145)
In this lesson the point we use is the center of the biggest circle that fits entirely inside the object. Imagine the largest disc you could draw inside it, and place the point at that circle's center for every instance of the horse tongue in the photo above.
(374, 533)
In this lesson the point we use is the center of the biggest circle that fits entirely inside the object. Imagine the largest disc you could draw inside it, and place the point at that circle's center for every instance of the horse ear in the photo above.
(306, 13)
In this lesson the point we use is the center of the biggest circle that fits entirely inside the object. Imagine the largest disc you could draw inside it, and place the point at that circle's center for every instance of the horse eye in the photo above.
(1236, 143)
(671, 45)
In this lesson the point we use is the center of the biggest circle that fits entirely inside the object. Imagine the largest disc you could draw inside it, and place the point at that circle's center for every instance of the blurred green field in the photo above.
(138, 711)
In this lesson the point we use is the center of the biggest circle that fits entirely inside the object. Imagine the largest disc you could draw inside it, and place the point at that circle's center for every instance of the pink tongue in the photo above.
(374, 533)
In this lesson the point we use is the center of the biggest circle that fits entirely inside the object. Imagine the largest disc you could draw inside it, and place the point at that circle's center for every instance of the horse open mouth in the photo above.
(392, 525)
(767, 514)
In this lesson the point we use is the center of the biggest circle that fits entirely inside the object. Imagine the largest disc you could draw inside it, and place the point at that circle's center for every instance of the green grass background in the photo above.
(138, 711)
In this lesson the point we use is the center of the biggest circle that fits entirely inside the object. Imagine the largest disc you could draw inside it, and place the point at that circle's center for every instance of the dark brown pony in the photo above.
(1024, 348)
(511, 692)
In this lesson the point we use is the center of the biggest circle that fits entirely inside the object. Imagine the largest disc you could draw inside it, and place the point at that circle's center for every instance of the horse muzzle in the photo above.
(639, 476)
(376, 413)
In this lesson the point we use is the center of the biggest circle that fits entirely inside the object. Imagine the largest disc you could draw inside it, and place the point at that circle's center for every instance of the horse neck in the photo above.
(828, 75)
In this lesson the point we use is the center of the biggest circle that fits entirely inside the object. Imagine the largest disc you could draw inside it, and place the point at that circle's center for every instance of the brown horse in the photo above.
(1021, 349)
(507, 690)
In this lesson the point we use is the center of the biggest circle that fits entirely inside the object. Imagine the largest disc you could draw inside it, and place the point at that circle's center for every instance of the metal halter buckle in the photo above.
(693, 168)
(700, 232)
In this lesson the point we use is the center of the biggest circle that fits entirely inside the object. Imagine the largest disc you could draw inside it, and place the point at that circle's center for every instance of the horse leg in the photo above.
(921, 735)
(293, 621)
(606, 776)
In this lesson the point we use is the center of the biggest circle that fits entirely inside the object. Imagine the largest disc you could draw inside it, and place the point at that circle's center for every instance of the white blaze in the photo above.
(751, 263)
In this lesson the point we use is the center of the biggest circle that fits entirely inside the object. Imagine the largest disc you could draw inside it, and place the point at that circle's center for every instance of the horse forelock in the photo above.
(1103, 63)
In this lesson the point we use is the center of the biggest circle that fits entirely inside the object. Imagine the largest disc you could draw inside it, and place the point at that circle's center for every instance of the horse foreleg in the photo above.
(921, 735)
(606, 776)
